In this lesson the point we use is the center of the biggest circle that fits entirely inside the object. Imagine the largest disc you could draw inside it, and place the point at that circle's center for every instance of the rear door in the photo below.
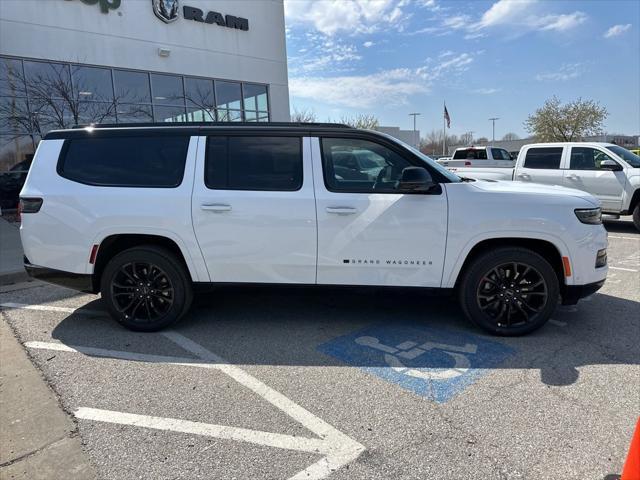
(585, 173)
(368, 233)
(541, 165)
(254, 209)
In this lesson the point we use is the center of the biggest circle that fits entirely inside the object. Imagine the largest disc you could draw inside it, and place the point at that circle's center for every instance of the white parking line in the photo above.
(624, 238)
(338, 448)
(224, 432)
(623, 269)
(51, 308)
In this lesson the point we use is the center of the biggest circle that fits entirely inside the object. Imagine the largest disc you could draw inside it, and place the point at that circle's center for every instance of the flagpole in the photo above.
(444, 130)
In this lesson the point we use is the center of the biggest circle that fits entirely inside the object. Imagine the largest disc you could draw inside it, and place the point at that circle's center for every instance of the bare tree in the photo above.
(510, 136)
(54, 102)
(303, 116)
(364, 121)
(431, 144)
(466, 138)
(555, 122)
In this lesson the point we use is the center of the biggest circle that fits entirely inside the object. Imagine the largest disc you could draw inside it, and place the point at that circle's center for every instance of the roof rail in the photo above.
(214, 124)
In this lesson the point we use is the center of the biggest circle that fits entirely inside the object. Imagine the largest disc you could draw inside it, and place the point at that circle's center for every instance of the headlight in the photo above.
(591, 216)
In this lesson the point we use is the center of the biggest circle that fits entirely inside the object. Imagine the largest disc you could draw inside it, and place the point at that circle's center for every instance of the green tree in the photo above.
(555, 122)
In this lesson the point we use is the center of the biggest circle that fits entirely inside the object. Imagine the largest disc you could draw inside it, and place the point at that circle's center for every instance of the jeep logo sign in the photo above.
(105, 5)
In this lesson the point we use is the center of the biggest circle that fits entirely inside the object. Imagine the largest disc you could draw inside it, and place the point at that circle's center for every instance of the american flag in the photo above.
(447, 117)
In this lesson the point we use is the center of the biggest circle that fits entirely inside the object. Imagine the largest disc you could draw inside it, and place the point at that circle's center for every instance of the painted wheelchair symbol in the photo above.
(409, 350)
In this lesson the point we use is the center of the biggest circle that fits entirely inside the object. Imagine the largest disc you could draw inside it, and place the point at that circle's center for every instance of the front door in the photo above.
(368, 233)
(585, 173)
(253, 208)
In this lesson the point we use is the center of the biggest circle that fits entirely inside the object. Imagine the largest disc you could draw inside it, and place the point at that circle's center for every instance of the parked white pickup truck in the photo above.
(478, 157)
(607, 171)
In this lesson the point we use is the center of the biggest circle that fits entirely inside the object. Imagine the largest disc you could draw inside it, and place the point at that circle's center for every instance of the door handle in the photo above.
(523, 175)
(216, 207)
(573, 176)
(342, 210)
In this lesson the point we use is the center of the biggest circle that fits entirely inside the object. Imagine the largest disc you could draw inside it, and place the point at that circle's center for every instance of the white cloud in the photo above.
(517, 15)
(617, 30)
(567, 71)
(389, 87)
(504, 11)
(368, 44)
(322, 53)
(486, 91)
(353, 16)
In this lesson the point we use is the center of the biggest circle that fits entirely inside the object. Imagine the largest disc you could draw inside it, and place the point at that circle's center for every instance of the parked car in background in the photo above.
(145, 214)
(609, 172)
(479, 157)
(11, 183)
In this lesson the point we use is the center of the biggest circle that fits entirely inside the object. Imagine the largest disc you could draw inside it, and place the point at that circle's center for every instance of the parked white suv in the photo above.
(144, 214)
(607, 171)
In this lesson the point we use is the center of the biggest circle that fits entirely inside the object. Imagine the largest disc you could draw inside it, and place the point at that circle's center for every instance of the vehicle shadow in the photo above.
(620, 226)
(285, 326)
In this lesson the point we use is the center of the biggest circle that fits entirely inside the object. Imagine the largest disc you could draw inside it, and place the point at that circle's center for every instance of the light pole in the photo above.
(493, 121)
(415, 140)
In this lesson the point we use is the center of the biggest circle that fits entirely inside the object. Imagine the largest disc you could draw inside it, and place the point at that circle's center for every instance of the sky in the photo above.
(484, 58)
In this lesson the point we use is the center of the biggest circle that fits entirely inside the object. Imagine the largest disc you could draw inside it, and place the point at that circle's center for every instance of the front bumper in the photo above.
(75, 281)
(572, 293)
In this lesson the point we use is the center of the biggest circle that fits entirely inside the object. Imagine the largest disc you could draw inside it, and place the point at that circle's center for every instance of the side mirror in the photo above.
(610, 165)
(415, 179)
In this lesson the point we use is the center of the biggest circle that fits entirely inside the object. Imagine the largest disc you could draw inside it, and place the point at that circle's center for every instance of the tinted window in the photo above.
(92, 84)
(354, 165)
(542, 158)
(585, 158)
(151, 161)
(470, 154)
(499, 154)
(254, 163)
(167, 89)
(131, 87)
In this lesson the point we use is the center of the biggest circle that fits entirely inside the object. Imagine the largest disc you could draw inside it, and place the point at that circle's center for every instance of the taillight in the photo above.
(30, 205)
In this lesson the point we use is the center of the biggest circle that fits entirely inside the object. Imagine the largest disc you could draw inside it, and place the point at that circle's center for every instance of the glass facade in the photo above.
(37, 96)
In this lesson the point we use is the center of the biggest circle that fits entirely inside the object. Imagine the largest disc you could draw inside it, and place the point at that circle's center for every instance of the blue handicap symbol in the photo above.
(433, 363)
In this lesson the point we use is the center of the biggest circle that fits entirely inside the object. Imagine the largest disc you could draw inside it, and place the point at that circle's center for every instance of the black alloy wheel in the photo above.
(512, 294)
(142, 292)
(509, 291)
(146, 288)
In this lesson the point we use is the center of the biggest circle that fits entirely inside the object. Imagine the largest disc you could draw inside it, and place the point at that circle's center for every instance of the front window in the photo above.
(357, 165)
(470, 154)
(629, 157)
(587, 158)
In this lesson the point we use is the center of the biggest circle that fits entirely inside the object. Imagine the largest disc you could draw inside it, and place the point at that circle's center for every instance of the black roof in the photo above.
(193, 128)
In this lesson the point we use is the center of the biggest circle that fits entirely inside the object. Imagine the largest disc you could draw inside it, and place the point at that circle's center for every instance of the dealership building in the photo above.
(69, 62)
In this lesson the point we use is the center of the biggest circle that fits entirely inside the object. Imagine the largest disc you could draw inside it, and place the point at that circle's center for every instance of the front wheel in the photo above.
(509, 291)
(146, 288)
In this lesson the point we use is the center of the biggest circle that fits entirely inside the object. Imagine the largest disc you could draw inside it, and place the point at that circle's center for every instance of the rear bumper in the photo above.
(573, 293)
(74, 281)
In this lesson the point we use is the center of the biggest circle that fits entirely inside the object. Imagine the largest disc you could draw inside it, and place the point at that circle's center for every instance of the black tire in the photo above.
(152, 282)
(506, 303)
(636, 217)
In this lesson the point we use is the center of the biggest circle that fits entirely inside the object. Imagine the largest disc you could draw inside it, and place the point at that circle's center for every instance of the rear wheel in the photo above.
(146, 288)
(509, 291)
(636, 217)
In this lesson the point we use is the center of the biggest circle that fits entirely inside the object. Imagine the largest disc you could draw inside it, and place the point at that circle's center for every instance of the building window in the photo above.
(132, 87)
(228, 101)
(255, 102)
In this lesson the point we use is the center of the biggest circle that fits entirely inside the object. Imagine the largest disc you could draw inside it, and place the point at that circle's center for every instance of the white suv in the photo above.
(144, 214)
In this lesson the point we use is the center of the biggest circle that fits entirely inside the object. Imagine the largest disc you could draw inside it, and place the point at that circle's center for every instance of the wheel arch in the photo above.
(635, 200)
(116, 243)
(545, 248)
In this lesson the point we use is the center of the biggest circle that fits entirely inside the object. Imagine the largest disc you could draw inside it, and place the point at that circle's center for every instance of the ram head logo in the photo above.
(166, 10)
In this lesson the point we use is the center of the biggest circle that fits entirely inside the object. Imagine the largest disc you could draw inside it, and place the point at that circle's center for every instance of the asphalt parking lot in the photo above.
(295, 384)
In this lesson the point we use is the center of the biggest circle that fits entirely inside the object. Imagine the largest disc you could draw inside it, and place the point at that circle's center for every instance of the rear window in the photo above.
(470, 154)
(131, 161)
(543, 158)
(254, 163)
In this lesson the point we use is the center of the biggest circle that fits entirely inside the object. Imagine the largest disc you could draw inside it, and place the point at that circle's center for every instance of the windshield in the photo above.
(631, 158)
(452, 177)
